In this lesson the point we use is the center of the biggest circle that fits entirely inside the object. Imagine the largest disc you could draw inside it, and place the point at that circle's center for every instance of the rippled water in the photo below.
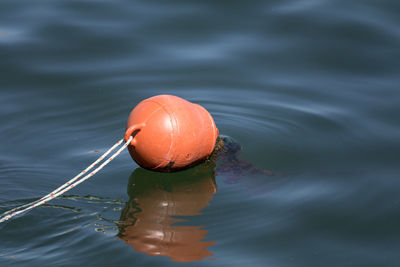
(308, 89)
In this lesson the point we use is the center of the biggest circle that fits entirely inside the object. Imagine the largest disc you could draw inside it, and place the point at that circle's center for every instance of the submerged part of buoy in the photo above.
(170, 133)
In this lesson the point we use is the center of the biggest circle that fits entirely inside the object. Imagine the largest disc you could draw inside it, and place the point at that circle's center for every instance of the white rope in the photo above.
(70, 181)
(68, 185)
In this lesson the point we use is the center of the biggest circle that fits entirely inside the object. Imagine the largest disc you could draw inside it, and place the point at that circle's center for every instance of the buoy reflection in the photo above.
(150, 221)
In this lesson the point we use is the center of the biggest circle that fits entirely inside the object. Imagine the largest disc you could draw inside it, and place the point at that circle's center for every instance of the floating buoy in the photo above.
(170, 133)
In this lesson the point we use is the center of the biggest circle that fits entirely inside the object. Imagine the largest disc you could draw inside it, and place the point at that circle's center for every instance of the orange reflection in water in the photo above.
(150, 220)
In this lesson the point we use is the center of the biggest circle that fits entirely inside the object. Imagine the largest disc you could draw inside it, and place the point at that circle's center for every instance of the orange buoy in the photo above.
(170, 133)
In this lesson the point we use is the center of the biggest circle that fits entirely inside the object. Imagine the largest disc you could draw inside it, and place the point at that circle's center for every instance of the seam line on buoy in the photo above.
(163, 106)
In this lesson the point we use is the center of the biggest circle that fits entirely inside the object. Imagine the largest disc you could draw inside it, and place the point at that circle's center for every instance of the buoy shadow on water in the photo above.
(159, 203)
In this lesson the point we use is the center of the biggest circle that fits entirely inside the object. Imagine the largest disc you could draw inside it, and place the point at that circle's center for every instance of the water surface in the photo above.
(308, 89)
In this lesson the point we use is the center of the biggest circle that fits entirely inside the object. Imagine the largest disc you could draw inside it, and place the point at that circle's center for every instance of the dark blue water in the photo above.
(310, 90)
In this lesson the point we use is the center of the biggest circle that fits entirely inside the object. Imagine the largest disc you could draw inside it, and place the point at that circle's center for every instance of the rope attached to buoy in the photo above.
(68, 185)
